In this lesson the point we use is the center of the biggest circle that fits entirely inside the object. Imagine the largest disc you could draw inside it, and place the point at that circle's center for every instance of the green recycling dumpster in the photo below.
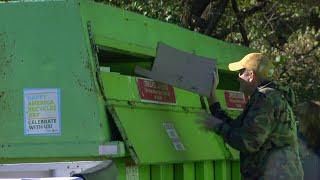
(68, 92)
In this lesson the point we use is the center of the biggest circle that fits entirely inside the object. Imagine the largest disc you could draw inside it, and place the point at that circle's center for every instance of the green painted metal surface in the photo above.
(204, 170)
(222, 170)
(235, 168)
(49, 51)
(120, 163)
(145, 33)
(144, 172)
(162, 172)
(185, 171)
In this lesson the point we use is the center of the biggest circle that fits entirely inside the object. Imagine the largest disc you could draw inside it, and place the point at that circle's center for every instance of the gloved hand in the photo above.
(208, 122)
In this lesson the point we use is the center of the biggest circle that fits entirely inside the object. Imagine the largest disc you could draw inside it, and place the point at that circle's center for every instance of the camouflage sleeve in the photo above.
(257, 125)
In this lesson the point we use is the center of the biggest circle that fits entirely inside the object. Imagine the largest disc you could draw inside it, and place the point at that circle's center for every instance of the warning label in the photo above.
(155, 92)
(235, 100)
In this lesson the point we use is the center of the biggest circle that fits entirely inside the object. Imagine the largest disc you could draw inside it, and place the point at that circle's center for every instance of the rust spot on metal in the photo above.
(82, 84)
(4, 67)
(6, 55)
(87, 85)
(1, 94)
(86, 64)
(4, 103)
(3, 45)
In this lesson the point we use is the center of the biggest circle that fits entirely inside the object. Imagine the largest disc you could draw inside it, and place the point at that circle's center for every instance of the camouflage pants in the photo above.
(280, 164)
(283, 164)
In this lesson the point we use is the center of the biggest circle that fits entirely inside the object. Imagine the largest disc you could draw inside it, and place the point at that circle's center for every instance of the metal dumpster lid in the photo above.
(157, 136)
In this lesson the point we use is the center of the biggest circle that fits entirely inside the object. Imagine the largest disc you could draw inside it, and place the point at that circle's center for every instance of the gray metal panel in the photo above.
(181, 69)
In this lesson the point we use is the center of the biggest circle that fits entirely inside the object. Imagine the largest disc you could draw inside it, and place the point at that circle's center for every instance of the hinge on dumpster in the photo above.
(132, 104)
(95, 52)
(94, 47)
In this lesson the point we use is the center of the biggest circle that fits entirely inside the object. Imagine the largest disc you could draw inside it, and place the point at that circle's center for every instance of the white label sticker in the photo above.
(173, 135)
(42, 112)
(108, 149)
(178, 146)
(132, 173)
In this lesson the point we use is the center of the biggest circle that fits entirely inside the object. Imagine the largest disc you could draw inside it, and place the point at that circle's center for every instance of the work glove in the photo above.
(207, 122)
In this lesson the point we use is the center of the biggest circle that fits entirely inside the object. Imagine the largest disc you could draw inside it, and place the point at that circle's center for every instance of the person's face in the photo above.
(247, 83)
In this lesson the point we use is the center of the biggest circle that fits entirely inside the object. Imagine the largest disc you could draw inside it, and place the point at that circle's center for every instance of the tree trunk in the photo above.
(240, 20)
(215, 16)
(192, 11)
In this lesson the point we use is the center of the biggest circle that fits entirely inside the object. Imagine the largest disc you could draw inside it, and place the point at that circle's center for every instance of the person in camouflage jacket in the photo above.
(265, 133)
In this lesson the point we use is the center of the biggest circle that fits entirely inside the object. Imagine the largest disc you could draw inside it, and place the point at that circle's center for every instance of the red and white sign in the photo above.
(235, 100)
(155, 92)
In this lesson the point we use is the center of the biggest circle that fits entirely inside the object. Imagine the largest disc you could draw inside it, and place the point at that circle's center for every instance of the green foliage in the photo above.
(289, 33)
(165, 10)
(298, 64)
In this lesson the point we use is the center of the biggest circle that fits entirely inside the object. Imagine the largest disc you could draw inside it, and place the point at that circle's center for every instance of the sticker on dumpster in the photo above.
(178, 145)
(155, 92)
(42, 112)
(235, 100)
(132, 173)
(173, 135)
(108, 149)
